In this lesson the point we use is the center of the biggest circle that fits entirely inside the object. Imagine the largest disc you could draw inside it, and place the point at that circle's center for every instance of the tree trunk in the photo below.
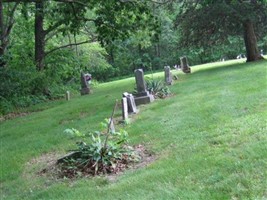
(2, 36)
(111, 59)
(39, 35)
(6, 25)
(140, 52)
(157, 50)
(250, 39)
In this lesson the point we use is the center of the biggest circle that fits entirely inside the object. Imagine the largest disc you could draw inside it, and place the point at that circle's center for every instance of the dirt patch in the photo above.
(66, 121)
(46, 166)
(13, 115)
(146, 159)
(42, 165)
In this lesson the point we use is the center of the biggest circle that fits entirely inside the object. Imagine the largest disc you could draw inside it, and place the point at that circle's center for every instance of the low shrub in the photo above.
(99, 153)
(157, 88)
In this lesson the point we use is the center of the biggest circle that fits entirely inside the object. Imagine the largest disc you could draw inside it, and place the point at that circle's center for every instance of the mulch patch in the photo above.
(47, 166)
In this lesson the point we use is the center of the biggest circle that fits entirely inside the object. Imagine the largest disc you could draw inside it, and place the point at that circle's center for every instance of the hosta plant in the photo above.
(99, 152)
(157, 88)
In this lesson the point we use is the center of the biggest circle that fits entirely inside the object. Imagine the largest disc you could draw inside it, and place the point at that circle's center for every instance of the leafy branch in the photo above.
(67, 45)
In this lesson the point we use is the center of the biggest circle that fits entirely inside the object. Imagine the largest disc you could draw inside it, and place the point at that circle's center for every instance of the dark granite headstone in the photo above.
(184, 65)
(142, 96)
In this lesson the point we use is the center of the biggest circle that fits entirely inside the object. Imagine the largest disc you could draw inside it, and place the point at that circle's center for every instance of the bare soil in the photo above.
(13, 115)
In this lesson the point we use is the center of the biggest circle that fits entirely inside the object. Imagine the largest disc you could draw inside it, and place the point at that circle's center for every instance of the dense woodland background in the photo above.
(46, 44)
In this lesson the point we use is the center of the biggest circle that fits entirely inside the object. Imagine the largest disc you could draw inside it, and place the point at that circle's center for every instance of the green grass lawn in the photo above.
(210, 139)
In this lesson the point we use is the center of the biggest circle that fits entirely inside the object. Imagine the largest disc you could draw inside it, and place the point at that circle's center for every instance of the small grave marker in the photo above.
(67, 95)
(131, 103)
(84, 85)
(184, 65)
(168, 75)
(112, 127)
(124, 108)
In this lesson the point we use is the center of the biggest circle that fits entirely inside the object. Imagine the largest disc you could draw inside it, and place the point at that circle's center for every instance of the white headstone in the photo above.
(131, 103)
(67, 95)
(124, 108)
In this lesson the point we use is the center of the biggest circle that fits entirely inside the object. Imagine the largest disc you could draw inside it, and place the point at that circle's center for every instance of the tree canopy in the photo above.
(210, 22)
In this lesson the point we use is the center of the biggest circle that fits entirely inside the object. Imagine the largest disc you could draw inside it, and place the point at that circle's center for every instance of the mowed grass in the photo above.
(210, 139)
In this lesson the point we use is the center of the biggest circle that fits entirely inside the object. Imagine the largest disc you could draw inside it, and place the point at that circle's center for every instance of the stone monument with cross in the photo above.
(168, 75)
(184, 65)
(142, 96)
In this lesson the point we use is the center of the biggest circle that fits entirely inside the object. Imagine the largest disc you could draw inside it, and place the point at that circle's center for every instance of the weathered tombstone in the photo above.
(168, 75)
(131, 103)
(112, 127)
(124, 108)
(142, 96)
(175, 77)
(140, 81)
(67, 95)
(84, 85)
(184, 65)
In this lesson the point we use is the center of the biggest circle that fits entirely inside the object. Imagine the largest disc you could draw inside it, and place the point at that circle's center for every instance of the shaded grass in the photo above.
(210, 139)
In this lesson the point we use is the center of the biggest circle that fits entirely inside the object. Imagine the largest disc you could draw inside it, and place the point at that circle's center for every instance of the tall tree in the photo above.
(210, 22)
(40, 34)
(113, 19)
(53, 18)
(6, 23)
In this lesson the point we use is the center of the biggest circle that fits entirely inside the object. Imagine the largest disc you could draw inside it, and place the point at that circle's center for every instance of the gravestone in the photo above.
(142, 96)
(168, 75)
(67, 95)
(124, 108)
(175, 77)
(84, 85)
(184, 65)
(131, 103)
(112, 127)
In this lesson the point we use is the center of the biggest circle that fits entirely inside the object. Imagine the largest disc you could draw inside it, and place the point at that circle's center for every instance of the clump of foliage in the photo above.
(100, 152)
(157, 88)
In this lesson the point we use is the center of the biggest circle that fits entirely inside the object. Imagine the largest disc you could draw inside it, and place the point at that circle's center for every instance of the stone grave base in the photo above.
(85, 91)
(143, 99)
(187, 70)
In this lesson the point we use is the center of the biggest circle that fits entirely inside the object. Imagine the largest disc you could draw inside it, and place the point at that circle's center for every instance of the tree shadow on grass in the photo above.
(217, 68)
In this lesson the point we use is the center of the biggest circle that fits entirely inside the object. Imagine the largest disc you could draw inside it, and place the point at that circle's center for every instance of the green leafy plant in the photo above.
(99, 152)
(157, 88)
(73, 133)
